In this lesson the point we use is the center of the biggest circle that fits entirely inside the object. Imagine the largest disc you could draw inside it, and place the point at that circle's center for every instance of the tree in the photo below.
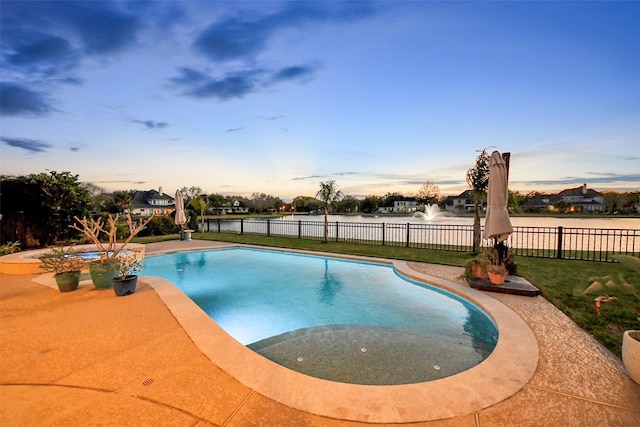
(370, 204)
(328, 194)
(122, 200)
(478, 180)
(190, 193)
(513, 202)
(348, 204)
(98, 196)
(263, 202)
(429, 193)
(38, 209)
(200, 205)
(306, 204)
(215, 200)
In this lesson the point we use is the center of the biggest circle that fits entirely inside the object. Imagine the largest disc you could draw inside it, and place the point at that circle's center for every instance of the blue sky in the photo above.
(275, 97)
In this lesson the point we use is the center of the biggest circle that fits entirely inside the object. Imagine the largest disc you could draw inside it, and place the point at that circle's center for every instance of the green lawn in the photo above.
(562, 282)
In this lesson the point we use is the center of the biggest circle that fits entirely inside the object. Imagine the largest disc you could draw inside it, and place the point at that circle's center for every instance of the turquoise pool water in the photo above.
(290, 307)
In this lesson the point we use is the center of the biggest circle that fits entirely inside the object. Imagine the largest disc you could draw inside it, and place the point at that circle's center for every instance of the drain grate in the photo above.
(147, 382)
(44, 351)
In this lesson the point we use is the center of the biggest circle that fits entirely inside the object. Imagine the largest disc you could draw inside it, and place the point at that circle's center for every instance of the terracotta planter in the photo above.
(497, 278)
(478, 271)
(68, 281)
(631, 354)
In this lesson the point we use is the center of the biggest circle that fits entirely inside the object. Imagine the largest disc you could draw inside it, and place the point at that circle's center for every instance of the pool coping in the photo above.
(505, 372)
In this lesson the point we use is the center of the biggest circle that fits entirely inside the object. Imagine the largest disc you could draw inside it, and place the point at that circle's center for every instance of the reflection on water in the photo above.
(483, 335)
(188, 260)
(329, 286)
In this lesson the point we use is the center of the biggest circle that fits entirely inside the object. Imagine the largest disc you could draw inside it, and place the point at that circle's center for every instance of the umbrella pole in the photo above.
(501, 248)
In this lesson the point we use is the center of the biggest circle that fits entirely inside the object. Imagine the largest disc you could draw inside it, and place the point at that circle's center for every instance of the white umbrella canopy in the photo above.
(181, 218)
(497, 224)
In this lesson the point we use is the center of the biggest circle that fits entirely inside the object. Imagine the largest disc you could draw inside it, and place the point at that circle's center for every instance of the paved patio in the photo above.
(87, 357)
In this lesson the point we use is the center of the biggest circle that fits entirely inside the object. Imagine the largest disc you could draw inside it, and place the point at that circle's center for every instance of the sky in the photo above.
(275, 97)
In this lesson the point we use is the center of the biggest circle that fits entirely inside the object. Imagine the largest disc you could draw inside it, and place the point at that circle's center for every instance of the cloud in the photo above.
(31, 145)
(300, 73)
(95, 27)
(232, 39)
(120, 182)
(16, 100)
(236, 84)
(244, 38)
(589, 178)
(329, 175)
(45, 42)
(232, 85)
(234, 129)
(43, 54)
(150, 124)
(278, 117)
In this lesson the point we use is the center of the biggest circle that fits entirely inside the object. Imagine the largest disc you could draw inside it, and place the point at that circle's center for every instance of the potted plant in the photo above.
(66, 266)
(125, 283)
(475, 268)
(497, 274)
(497, 271)
(631, 337)
(106, 267)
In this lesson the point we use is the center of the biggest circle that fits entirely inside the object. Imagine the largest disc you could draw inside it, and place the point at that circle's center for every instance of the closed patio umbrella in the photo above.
(497, 224)
(181, 218)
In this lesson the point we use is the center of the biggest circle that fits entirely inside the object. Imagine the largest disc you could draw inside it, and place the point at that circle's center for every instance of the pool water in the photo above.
(331, 318)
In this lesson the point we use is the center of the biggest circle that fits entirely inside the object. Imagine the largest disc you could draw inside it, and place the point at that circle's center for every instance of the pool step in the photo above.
(371, 355)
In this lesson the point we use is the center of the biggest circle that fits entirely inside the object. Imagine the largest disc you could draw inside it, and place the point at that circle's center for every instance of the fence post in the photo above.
(218, 225)
(268, 227)
(384, 227)
(299, 229)
(241, 225)
(559, 250)
(408, 232)
(337, 226)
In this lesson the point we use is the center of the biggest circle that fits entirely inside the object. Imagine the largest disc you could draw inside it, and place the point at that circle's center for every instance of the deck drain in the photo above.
(44, 351)
(147, 382)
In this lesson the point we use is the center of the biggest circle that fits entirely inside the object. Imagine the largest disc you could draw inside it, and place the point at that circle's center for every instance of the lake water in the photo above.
(537, 221)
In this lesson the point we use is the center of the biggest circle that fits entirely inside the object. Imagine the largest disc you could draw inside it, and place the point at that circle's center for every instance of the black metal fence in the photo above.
(590, 244)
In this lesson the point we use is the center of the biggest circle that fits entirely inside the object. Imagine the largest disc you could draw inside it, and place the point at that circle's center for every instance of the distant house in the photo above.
(580, 199)
(147, 203)
(462, 203)
(539, 203)
(403, 205)
(237, 207)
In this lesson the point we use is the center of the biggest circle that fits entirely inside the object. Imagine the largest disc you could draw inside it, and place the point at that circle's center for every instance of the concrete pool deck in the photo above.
(87, 355)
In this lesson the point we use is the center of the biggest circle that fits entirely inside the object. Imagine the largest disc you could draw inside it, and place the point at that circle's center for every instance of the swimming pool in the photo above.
(335, 319)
